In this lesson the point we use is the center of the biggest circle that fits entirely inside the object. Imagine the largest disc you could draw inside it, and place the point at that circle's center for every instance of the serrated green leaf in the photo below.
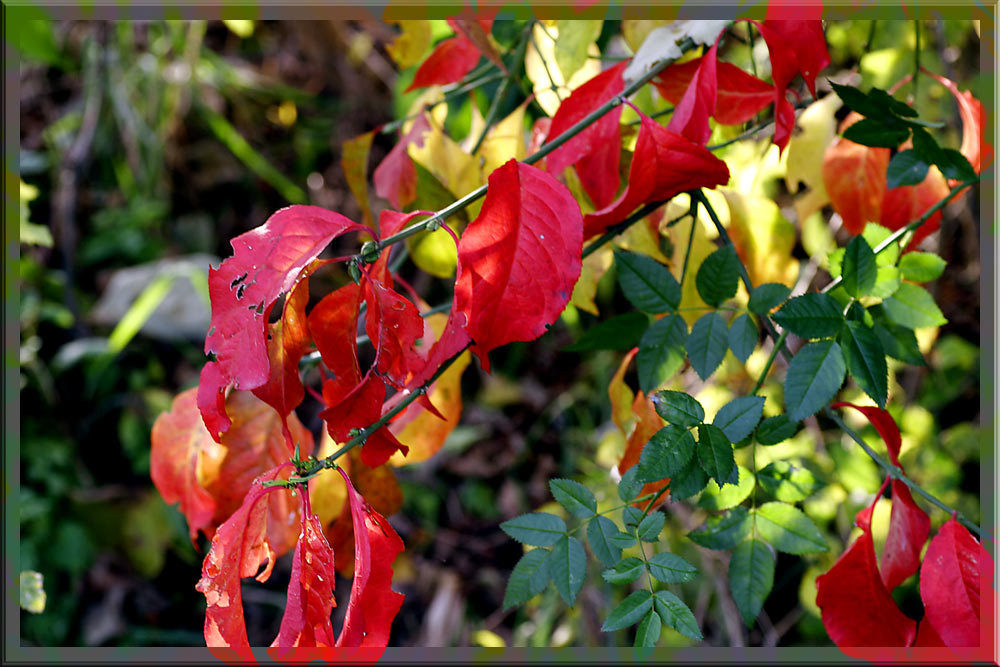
(788, 483)
(648, 632)
(666, 454)
(647, 284)
(630, 611)
(767, 296)
(751, 577)
(671, 568)
(575, 497)
(859, 268)
(661, 352)
(855, 100)
(631, 516)
(884, 100)
(529, 578)
(630, 486)
(678, 408)
(865, 360)
(835, 262)
(886, 282)
(707, 344)
(718, 276)
(906, 168)
(621, 332)
(723, 532)
(718, 498)
(877, 133)
(600, 530)
(628, 570)
(898, 342)
(688, 481)
(776, 429)
(921, 267)
(715, 453)
(812, 315)
(622, 540)
(539, 529)
(913, 307)
(674, 613)
(569, 567)
(743, 337)
(788, 529)
(814, 376)
(739, 417)
(875, 234)
(650, 527)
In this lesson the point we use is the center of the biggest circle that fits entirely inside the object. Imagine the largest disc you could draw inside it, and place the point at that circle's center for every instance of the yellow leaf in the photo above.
(622, 396)
(446, 160)
(541, 54)
(576, 37)
(593, 268)
(409, 48)
(504, 141)
(635, 31)
(691, 307)
(644, 238)
(763, 238)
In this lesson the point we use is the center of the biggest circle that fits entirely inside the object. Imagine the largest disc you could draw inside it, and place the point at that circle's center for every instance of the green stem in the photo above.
(687, 253)
(615, 230)
(754, 130)
(475, 80)
(545, 64)
(778, 345)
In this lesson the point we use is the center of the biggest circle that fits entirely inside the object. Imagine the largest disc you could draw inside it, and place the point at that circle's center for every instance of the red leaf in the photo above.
(857, 609)
(266, 262)
(602, 177)
(927, 636)
(373, 604)
(740, 96)
(956, 574)
(477, 31)
(854, 177)
(909, 527)
(784, 67)
(519, 259)
(360, 408)
(238, 549)
(450, 60)
(906, 203)
(333, 323)
(664, 164)
(807, 43)
(393, 324)
(883, 423)
(690, 118)
(974, 146)
(395, 177)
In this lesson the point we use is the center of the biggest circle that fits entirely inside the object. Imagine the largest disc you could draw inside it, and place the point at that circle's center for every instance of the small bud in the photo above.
(369, 252)
(434, 225)
(354, 271)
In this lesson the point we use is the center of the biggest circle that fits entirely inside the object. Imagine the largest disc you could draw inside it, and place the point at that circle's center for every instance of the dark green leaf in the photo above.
(739, 417)
(661, 352)
(622, 540)
(906, 168)
(776, 429)
(648, 632)
(898, 342)
(788, 483)
(671, 568)
(855, 100)
(788, 529)
(628, 570)
(814, 377)
(812, 315)
(742, 337)
(630, 486)
(955, 165)
(921, 267)
(539, 529)
(767, 296)
(674, 613)
(648, 284)
(884, 100)
(631, 516)
(688, 481)
(666, 454)
(913, 307)
(859, 269)
(679, 408)
(600, 530)
(569, 567)
(707, 344)
(650, 527)
(865, 360)
(715, 453)
(575, 497)
(621, 332)
(718, 276)
(630, 611)
(718, 498)
(529, 578)
(723, 532)
(877, 133)
(751, 577)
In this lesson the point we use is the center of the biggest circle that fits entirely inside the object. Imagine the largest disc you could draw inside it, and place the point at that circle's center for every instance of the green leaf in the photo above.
(859, 270)
(688, 481)
(767, 296)
(855, 100)
(139, 312)
(666, 454)
(898, 342)
(906, 168)
(715, 453)
(622, 540)
(648, 284)
(751, 577)
(723, 532)
(718, 276)
(621, 332)
(884, 100)
(674, 613)
(678, 408)
(648, 632)
(886, 282)
(631, 516)
(630, 611)
(575, 497)
(877, 133)
(600, 530)
(776, 429)
(739, 417)
(630, 486)
(627, 571)
(955, 165)
(571, 47)
(718, 498)
(875, 234)
(529, 578)
(707, 344)
(814, 377)
(671, 568)
(865, 360)
(812, 315)
(650, 527)
(661, 352)
(788, 529)
(913, 307)
(569, 567)
(788, 483)
(743, 337)
(921, 267)
(539, 529)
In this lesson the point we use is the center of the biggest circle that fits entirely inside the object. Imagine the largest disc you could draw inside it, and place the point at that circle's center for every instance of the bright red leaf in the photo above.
(519, 259)
(909, 527)
(360, 408)
(807, 43)
(450, 60)
(956, 575)
(664, 164)
(854, 177)
(739, 97)
(883, 423)
(333, 323)
(395, 177)
(476, 29)
(393, 324)
(784, 67)
(690, 118)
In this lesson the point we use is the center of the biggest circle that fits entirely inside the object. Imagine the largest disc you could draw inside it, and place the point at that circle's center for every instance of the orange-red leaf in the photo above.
(360, 408)
(973, 115)
(740, 96)
(649, 422)
(854, 177)
(395, 177)
(450, 60)
(393, 324)
(906, 203)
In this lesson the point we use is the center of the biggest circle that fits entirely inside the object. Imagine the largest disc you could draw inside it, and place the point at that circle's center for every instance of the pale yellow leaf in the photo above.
(763, 237)
(409, 47)
(542, 81)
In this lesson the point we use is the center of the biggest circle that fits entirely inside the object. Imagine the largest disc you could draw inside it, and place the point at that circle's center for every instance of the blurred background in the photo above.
(145, 146)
